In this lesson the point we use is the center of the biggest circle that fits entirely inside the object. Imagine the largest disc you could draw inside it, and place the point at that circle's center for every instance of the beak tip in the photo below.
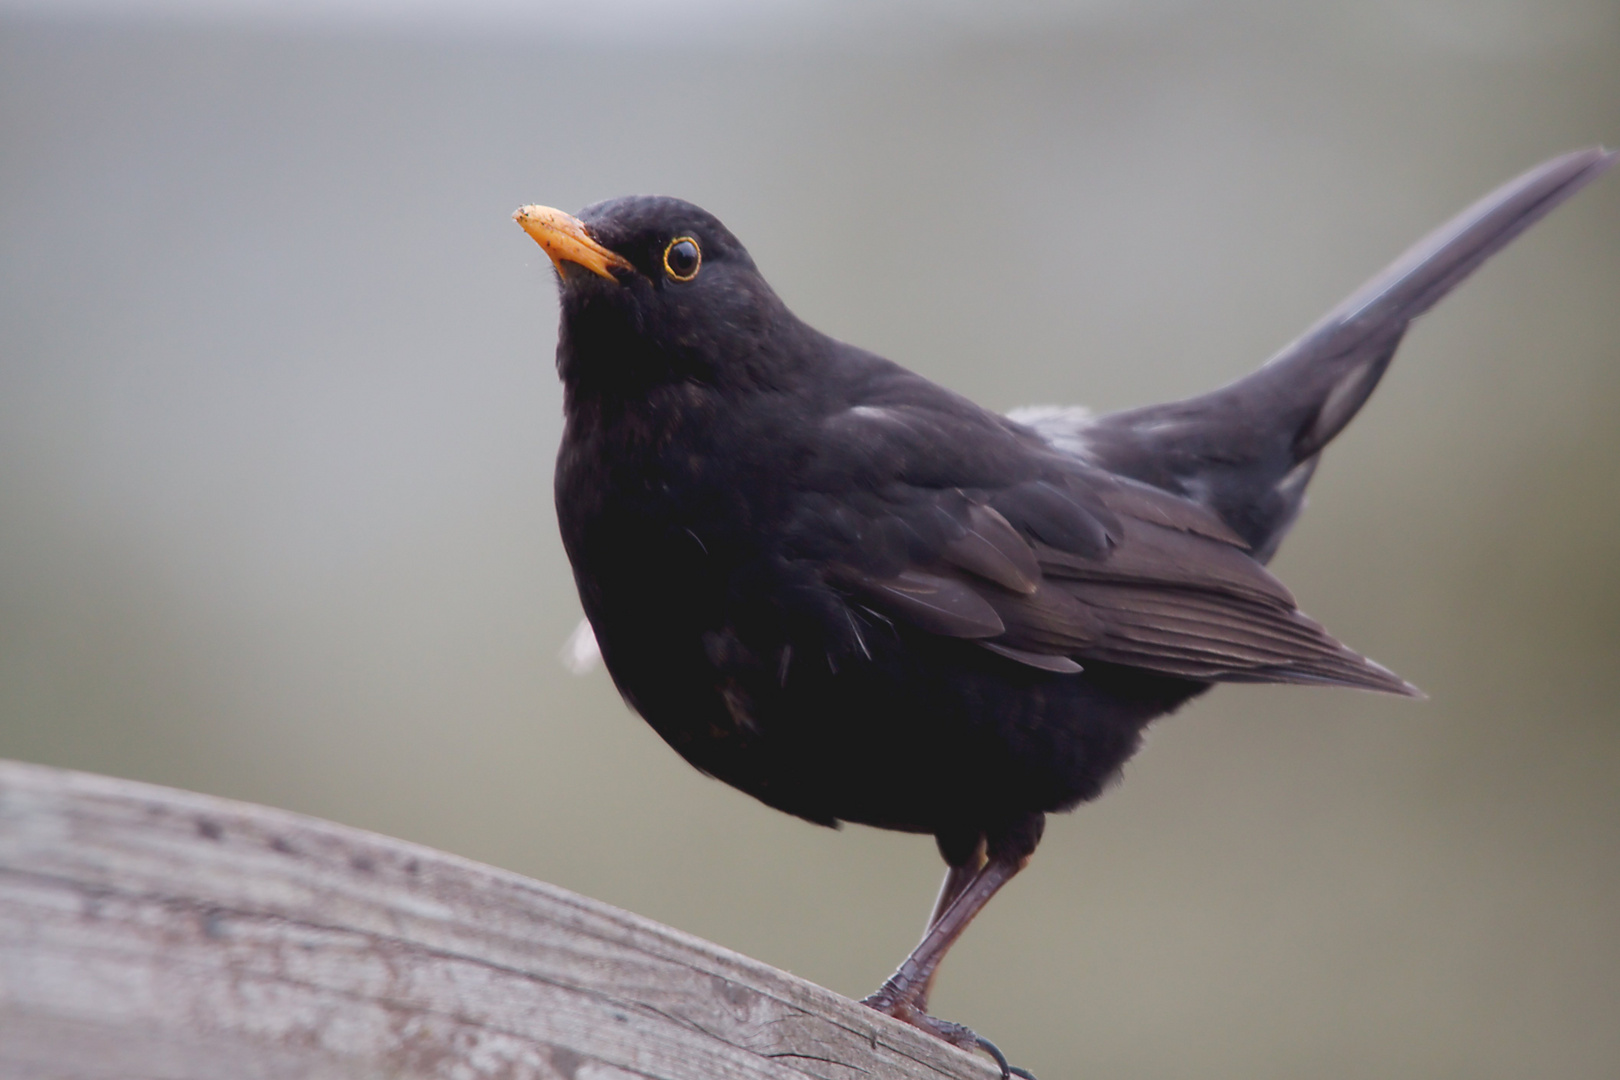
(565, 240)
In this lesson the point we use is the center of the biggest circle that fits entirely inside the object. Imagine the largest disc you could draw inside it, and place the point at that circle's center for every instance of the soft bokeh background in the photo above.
(277, 416)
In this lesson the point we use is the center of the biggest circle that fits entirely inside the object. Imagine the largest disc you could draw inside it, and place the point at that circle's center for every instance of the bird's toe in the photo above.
(958, 1035)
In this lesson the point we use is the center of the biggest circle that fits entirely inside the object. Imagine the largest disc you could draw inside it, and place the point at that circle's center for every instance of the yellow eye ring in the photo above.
(687, 260)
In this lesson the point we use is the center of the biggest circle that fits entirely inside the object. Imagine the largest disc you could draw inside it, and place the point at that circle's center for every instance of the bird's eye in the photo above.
(682, 258)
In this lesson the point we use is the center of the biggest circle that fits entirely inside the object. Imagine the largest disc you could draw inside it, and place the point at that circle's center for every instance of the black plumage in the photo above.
(858, 596)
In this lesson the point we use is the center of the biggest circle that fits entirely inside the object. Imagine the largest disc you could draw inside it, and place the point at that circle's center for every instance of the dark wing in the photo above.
(1186, 603)
(1046, 561)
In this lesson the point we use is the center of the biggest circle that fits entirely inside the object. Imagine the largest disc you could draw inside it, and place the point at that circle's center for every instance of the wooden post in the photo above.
(147, 932)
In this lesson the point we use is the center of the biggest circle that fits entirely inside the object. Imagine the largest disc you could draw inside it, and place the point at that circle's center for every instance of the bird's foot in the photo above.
(889, 1003)
(906, 1011)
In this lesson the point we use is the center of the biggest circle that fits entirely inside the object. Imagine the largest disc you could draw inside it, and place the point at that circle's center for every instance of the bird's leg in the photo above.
(898, 996)
(957, 879)
(981, 863)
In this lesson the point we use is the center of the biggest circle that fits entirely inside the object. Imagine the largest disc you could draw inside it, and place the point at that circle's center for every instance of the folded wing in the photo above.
(1064, 564)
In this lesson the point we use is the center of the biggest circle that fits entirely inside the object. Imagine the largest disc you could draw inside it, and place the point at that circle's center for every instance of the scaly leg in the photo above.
(898, 996)
(957, 879)
(978, 869)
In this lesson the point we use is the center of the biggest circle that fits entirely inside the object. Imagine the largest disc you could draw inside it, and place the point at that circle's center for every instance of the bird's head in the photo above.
(655, 290)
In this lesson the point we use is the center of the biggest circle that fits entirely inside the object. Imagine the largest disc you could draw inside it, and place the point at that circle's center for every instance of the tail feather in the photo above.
(1247, 450)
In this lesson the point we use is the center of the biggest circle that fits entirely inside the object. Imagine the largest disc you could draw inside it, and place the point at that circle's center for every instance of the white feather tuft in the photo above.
(580, 653)
(1063, 426)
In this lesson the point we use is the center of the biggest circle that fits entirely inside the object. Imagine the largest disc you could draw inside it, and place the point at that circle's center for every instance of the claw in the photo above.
(995, 1051)
(1007, 1071)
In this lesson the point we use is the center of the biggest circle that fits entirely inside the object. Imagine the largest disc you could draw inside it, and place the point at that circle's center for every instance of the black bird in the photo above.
(858, 596)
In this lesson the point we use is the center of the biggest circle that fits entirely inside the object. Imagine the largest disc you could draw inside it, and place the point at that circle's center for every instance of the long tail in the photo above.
(1248, 449)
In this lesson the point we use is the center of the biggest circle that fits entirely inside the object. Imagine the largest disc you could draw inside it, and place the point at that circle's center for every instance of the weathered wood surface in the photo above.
(147, 932)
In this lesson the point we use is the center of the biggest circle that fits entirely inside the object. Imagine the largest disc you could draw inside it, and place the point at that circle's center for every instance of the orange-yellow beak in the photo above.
(564, 238)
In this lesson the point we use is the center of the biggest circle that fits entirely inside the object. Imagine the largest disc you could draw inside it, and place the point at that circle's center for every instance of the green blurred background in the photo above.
(277, 416)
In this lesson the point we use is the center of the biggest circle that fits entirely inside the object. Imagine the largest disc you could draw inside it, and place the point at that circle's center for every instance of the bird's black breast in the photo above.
(669, 509)
(708, 536)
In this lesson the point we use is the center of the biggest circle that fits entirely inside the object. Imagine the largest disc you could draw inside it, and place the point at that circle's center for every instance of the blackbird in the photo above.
(858, 596)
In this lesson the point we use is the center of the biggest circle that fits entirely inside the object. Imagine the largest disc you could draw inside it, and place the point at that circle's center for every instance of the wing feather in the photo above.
(1056, 564)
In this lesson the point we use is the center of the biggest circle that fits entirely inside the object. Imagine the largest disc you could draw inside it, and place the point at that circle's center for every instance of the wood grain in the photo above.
(148, 932)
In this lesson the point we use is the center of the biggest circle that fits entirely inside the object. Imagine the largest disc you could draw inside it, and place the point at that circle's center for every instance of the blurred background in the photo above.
(277, 415)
